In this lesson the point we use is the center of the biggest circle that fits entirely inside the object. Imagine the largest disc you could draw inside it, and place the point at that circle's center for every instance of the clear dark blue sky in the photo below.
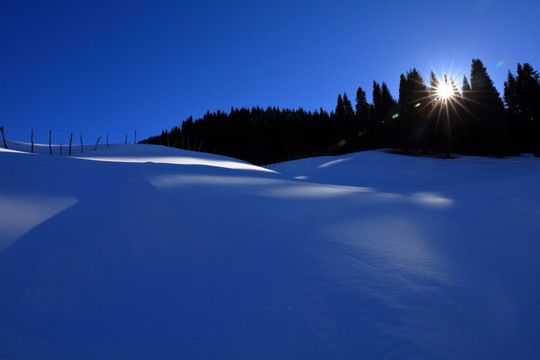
(113, 66)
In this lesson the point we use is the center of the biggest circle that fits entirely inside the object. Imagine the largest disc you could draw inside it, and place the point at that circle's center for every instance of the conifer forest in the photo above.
(436, 117)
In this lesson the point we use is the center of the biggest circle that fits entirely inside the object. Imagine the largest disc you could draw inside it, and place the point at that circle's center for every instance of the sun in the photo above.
(445, 91)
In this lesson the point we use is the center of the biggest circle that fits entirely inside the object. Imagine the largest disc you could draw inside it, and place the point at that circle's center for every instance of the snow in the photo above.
(148, 252)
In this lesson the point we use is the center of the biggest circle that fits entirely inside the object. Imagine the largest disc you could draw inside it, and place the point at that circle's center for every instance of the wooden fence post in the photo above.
(99, 138)
(70, 140)
(50, 148)
(3, 136)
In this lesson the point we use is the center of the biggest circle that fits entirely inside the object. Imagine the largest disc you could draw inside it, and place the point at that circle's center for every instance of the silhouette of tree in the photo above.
(466, 117)
(388, 110)
(522, 99)
(528, 101)
(475, 121)
(374, 128)
(489, 127)
(413, 130)
(345, 124)
(340, 107)
(363, 119)
(518, 127)
(347, 105)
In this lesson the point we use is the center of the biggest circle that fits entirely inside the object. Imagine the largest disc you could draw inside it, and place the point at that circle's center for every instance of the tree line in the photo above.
(434, 118)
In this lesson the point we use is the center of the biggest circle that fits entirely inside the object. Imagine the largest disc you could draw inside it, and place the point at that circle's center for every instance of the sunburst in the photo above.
(445, 91)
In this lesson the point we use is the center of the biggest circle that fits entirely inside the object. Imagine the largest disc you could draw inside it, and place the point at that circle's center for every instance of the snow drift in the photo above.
(140, 252)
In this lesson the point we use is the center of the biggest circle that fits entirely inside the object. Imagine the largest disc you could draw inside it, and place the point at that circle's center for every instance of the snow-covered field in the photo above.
(147, 252)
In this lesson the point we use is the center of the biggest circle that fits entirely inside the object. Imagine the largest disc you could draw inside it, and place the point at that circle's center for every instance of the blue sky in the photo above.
(100, 67)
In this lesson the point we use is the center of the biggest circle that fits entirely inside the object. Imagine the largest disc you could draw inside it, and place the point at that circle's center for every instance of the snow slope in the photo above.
(147, 252)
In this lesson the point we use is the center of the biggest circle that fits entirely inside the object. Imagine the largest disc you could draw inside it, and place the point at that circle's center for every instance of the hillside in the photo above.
(149, 252)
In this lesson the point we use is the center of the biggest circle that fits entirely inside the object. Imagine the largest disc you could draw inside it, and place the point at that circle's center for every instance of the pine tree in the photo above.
(433, 108)
(459, 116)
(362, 118)
(510, 96)
(490, 123)
(376, 96)
(374, 128)
(528, 84)
(347, 105)
(350, 127)
(362, 106)
(340, 107)
(466, 118)
(339, 120)
(465, 87)
(389, 108)
(413, 128)
(518, 131)
(437, 113)
(527, 96)
(433, 85)
(400, 131)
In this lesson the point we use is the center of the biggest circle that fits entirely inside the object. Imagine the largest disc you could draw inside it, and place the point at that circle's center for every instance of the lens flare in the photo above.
(499, 64)
(417, 105)
(395, 116)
